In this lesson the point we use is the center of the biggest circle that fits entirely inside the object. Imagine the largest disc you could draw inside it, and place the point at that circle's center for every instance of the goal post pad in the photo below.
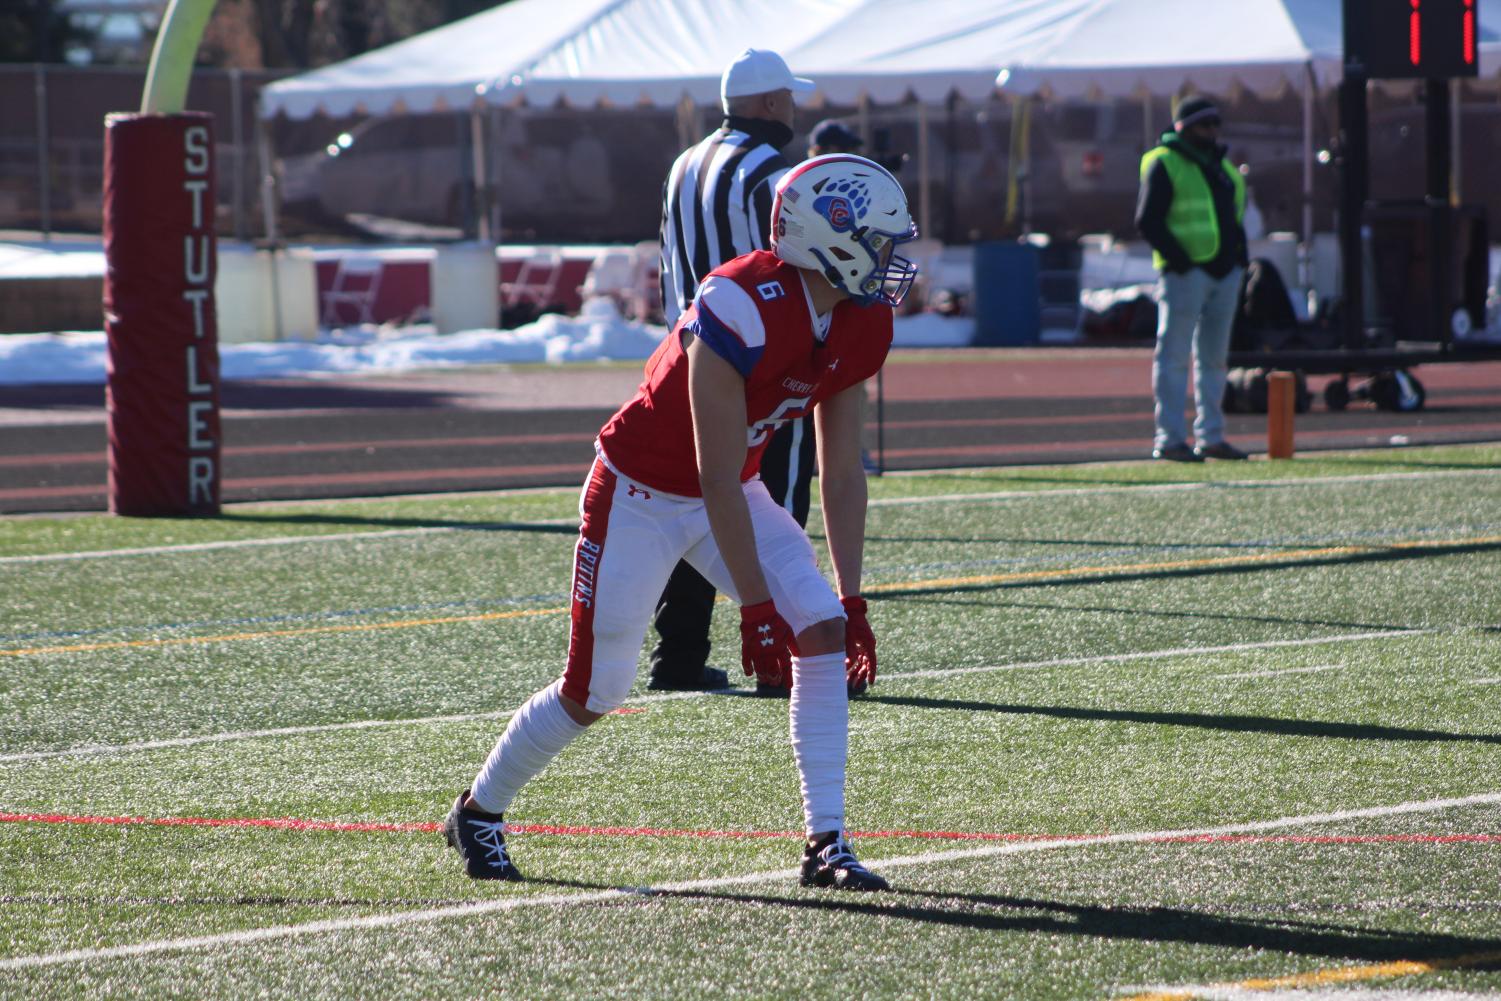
(162, 388)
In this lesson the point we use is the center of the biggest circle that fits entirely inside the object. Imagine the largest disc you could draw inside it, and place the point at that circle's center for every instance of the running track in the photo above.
(534, 426)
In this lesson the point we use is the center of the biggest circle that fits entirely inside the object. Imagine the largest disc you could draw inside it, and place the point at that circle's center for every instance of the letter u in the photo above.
(195, 271)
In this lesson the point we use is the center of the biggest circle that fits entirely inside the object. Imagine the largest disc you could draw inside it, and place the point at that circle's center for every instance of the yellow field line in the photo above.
(1209, 561)
(1336, 975)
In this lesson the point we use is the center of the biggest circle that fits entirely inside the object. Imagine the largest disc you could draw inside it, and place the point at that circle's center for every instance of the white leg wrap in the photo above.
(820, 720)
(537, 732)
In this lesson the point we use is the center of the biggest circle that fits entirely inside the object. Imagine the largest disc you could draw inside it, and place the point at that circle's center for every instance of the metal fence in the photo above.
(52, 142)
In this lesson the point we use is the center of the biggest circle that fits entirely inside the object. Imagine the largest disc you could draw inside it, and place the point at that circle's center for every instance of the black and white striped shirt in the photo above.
(716, 205)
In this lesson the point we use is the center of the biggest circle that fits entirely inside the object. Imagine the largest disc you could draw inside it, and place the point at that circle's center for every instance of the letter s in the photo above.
(195, 145)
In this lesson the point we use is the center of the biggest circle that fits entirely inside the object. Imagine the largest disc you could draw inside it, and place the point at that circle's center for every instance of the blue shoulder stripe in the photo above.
(724, 341)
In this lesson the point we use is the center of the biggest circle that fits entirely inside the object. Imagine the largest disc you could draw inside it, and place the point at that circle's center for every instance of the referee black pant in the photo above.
(687, 604)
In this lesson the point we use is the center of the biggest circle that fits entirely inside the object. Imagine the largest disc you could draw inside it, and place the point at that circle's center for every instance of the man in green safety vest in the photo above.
(1190, 210)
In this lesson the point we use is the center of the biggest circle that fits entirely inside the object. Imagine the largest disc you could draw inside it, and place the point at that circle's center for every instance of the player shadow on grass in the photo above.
(1159, 613)
(344, 520)
(1202, 721)
(1127, 923)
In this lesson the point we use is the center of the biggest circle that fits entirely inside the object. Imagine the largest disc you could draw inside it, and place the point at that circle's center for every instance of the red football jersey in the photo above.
(756, 314)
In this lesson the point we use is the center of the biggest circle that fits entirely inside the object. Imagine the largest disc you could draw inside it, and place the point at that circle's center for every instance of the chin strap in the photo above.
(830, 271)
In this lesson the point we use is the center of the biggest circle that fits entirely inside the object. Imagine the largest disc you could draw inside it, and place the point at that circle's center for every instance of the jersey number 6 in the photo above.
(759, 432)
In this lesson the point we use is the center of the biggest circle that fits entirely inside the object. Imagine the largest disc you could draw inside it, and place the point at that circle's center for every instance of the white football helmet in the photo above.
(843, 216)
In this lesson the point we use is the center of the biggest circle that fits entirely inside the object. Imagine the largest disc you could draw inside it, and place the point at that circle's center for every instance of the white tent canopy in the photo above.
(621, 52)
(661, 52)
(1124, 47)
(438, 70)
(883, 50)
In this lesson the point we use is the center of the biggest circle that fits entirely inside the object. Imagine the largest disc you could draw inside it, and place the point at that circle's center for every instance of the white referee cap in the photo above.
(758, 71)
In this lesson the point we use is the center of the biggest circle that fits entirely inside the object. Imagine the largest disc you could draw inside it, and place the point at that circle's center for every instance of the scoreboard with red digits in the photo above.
(1435, 39)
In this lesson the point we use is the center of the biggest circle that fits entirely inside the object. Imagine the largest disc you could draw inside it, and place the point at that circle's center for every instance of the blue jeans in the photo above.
(1194, 312)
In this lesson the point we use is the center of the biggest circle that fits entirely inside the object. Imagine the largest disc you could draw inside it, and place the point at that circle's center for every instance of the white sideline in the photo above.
(89, 750)
(569, 899)
(290, 731)
(1278, 673)
(1182, 651)
(1001, 495)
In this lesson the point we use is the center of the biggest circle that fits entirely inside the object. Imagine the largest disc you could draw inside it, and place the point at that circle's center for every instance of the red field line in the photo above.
(41, 493)
(296, 824)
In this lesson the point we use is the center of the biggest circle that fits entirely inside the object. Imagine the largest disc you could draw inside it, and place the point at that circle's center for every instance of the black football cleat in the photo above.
(480, 840)
(1221, 450)
(709, 679)
(1177, 453)
(830, 861)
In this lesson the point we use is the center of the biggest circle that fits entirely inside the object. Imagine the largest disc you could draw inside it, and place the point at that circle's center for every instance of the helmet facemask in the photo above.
(890, 276)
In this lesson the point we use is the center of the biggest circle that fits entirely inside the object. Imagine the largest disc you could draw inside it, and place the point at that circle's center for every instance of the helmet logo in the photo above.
(838, 211)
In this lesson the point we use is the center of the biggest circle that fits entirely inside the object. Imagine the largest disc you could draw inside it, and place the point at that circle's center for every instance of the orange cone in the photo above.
(1281, 396)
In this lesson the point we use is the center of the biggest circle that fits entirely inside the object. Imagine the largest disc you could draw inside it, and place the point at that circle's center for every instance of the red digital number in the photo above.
(1415, 33)
(1469, 39)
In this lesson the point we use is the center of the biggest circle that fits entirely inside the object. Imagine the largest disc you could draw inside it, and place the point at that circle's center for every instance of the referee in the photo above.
(716, 205)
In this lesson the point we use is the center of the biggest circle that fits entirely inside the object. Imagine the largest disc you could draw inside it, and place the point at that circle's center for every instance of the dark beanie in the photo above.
(831, 132)
(1195, 109)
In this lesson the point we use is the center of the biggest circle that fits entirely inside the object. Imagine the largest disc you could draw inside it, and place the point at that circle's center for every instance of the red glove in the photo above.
(859, 646)
(765, 644)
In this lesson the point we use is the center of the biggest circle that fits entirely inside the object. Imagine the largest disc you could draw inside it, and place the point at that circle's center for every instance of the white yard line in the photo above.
(1003, 495)
(91, 750)
(427, 915)
(1485, 681)
(1182, 651)
(1281, 671)
(289, 731)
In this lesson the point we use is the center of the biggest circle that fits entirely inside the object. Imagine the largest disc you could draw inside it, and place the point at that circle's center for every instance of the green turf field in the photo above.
(1141, 731)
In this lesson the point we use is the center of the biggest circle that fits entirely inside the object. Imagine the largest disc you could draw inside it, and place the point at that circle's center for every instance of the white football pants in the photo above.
(631, 538)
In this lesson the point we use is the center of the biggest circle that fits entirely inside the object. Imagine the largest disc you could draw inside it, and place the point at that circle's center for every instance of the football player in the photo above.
(771, 336)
